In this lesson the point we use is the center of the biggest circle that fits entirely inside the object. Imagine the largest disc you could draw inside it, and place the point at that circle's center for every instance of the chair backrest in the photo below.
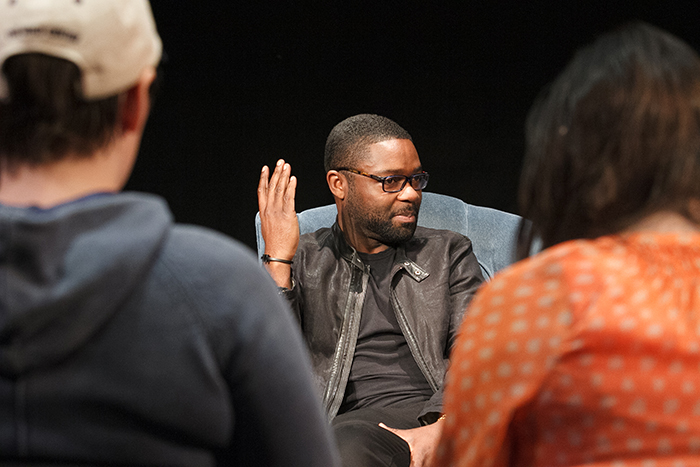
(493, 233)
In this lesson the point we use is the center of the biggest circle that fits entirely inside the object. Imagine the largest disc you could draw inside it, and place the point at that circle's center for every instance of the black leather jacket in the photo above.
(434, 278)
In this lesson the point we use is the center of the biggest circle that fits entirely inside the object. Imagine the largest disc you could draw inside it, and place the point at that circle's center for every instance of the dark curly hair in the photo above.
(614, 138)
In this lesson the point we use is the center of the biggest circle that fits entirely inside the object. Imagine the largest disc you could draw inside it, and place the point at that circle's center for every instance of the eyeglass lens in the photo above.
(396, 183)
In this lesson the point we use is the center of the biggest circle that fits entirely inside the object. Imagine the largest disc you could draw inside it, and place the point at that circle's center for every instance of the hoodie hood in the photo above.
(65, 271)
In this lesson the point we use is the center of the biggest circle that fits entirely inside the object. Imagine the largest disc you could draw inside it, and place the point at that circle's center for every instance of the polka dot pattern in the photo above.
(587, 354)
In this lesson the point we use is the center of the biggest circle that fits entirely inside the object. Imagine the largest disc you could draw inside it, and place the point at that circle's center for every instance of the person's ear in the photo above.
(136, 104)
(337, 183)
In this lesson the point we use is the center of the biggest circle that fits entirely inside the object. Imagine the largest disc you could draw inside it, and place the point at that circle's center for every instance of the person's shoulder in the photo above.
(561, 282)
(427, 234)
(318, 237)
(201, 248)
(439, 248)
(563, 262)
(206, 241)
(216, 272)
(323, 231)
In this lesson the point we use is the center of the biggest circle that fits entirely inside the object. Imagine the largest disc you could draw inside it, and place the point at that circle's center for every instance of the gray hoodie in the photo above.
(125, 338)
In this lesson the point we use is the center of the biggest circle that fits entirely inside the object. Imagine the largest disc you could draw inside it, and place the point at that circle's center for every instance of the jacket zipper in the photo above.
(349, 329)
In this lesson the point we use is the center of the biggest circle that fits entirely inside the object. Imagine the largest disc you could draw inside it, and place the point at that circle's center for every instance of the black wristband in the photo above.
(269, 259)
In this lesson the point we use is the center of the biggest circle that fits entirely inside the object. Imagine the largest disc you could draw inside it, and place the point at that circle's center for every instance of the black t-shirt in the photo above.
(383, 372)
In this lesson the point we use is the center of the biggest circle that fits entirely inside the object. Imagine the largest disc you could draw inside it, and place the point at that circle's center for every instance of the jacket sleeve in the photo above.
(464, 279)
(293, 297)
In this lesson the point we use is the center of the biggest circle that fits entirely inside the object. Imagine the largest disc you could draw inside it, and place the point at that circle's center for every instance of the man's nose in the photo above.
(408, 193)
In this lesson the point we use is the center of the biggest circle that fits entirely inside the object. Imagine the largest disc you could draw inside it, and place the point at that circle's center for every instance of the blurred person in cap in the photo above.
(125, 338)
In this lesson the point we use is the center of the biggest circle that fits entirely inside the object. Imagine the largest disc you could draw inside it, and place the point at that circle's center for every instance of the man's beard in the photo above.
(380, 226)
(389, 233)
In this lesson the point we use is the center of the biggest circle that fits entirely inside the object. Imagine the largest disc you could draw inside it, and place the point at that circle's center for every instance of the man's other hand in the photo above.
(423, 442)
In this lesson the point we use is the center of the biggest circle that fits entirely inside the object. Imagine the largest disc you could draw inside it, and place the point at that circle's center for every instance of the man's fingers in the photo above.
(276, 175)
(276, 190)
(262, 188)
(291, 194)
(283, 180)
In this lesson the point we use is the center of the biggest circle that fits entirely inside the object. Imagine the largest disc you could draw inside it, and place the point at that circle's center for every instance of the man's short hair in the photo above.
(615, 137)
(348, 141)
(63, 66)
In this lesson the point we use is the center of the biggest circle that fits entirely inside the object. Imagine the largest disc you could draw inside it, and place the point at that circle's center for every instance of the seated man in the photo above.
(125, 339)
(379, 299)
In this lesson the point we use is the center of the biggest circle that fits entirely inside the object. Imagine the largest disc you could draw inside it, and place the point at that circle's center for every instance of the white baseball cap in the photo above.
(111, 41)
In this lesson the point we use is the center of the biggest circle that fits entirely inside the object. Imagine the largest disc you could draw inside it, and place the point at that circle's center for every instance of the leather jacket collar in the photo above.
(401, 261)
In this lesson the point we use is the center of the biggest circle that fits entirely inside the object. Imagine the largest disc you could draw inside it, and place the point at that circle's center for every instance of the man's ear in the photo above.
(337, 183)
(136, 103)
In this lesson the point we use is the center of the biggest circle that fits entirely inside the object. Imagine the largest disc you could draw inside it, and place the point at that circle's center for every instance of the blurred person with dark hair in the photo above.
(588, 353)
(125, 339)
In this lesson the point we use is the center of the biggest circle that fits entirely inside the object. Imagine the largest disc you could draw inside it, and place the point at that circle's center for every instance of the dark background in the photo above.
(248, 83)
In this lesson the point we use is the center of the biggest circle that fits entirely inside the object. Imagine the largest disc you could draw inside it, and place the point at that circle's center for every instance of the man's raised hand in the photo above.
(278, 219)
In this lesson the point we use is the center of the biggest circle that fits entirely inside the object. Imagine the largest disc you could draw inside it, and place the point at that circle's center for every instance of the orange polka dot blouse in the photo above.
(586, 354)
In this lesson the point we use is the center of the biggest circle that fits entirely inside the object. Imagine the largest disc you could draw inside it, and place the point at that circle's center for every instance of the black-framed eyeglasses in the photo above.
(395, 183)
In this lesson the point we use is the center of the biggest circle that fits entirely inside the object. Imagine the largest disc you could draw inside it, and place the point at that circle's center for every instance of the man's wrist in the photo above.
(281, 273)
(267, 259)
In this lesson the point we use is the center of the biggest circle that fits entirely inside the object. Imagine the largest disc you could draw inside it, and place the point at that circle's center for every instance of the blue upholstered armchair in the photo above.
(493, 233)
